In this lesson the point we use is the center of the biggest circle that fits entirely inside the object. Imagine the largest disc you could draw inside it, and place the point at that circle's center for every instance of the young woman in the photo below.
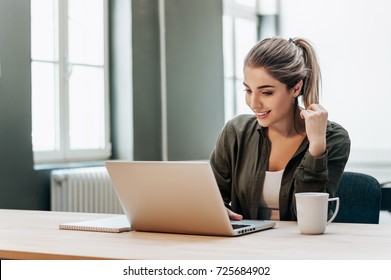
(261, 160)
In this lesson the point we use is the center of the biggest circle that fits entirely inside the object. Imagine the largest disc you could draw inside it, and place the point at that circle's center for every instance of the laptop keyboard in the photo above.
(236, 226)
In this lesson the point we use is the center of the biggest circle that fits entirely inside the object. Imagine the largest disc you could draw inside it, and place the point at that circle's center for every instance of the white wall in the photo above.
(353, 43)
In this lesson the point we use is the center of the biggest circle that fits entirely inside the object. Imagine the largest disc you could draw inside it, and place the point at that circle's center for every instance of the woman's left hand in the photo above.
(315, 117)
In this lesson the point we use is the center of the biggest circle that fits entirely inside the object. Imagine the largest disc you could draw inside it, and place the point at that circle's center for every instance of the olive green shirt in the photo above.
(240, 159)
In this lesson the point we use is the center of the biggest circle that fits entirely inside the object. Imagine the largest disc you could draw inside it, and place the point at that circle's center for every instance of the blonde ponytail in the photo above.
(313, 80)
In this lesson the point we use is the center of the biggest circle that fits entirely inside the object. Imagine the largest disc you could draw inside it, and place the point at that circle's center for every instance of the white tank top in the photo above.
(269, 204)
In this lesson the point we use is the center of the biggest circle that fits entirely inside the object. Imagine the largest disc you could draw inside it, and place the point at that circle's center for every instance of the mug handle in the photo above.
(336, 199)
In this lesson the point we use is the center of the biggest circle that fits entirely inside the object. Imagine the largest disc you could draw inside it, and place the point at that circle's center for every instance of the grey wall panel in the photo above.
(195, 85)
(19, 185)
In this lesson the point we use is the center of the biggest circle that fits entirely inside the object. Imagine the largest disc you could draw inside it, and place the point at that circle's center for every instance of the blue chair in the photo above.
(360, 198)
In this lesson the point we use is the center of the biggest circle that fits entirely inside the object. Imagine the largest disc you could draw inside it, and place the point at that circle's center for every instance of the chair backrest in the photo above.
(360, 197)
(385, 196)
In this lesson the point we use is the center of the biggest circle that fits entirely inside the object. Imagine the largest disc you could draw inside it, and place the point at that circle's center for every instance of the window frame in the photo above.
(257, 13)
(233, 11)
(63, 153)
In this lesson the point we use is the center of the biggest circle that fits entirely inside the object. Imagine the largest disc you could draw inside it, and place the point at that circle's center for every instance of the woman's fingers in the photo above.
(315, 117)
(234, 216)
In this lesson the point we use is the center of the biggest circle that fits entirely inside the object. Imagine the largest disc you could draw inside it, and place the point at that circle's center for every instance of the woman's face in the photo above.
(269, 99)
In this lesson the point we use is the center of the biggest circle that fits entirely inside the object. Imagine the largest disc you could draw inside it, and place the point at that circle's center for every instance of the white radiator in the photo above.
(83, 190)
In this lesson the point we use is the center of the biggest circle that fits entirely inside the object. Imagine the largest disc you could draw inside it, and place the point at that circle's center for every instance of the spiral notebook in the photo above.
(114, 224)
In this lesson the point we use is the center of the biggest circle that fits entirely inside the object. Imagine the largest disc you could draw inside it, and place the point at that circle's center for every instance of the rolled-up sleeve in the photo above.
(221, 166)
(323, 174)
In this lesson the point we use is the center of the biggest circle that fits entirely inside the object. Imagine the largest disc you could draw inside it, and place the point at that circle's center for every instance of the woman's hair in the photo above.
(289, 61)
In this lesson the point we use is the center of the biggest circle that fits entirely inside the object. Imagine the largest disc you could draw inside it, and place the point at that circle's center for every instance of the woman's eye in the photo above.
(247, 91)
(267, 93)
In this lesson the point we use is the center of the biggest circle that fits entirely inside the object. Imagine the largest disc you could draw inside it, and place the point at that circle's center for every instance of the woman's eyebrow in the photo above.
(260, 87)
(265, 86)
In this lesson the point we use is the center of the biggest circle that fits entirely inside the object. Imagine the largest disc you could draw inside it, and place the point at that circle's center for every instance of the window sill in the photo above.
(51, 166)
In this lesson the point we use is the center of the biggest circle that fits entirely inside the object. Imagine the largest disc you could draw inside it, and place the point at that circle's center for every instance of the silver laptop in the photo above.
(175, 197)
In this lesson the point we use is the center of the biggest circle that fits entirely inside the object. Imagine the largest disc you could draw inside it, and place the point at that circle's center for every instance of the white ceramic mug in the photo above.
(312, 211)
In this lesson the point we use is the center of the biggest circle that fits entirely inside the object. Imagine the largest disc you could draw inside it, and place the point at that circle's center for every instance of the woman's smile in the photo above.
(262, 115)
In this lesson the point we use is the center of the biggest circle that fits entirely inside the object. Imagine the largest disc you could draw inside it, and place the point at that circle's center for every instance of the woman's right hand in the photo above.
(234, 216)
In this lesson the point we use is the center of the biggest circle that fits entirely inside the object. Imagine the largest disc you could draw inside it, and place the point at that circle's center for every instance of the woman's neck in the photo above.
(290, 128)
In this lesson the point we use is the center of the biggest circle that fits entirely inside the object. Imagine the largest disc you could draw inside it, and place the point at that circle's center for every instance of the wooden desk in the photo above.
(35, 235)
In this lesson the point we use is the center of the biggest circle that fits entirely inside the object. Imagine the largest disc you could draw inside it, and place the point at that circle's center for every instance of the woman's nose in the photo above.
(254, 101)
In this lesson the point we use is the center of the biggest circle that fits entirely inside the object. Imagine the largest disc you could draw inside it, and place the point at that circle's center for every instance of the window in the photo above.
(69, 51)
(355, 69)
(244, 23)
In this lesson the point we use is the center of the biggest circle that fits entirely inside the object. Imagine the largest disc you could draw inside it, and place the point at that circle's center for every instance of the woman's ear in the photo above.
(297, 88)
